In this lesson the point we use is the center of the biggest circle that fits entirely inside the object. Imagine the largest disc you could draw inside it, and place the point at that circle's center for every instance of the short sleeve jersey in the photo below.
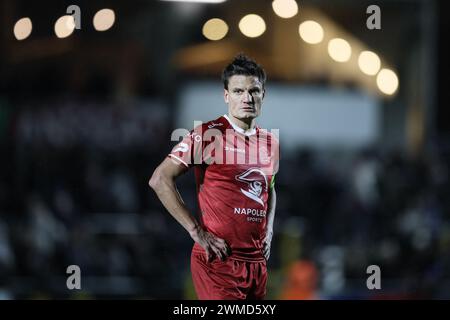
(235, 173)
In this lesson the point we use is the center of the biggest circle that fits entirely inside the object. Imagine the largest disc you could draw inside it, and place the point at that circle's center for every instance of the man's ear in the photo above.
(225, 95)
(264, 93)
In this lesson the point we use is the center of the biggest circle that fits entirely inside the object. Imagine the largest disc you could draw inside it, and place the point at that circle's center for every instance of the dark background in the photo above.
(85, 120)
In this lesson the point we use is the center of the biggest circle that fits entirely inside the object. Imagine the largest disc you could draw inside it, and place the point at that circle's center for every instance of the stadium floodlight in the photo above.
(285, 8)
(215, 29)
(22, 28)
(387, 81)
(339, 50)
(104, 19)
(252, 25)
(64, 26)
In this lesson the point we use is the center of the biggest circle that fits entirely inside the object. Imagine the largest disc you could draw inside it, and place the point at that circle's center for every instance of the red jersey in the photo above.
(234, 174)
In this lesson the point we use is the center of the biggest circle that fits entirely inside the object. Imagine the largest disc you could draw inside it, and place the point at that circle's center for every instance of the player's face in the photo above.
(244, 97)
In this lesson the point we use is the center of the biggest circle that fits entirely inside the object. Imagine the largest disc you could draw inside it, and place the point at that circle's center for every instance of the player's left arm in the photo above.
(270, 219)
(272, 200)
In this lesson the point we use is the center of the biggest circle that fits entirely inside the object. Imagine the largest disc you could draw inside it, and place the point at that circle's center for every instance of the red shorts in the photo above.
(228, 280)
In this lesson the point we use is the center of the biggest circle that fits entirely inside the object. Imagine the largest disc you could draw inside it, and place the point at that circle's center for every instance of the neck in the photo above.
(244, 124)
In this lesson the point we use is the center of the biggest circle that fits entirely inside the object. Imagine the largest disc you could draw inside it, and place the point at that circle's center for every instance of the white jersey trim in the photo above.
(172, 156)
(239, 129)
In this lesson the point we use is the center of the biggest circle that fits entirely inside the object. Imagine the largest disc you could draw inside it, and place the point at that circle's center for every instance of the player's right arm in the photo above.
(163, 183)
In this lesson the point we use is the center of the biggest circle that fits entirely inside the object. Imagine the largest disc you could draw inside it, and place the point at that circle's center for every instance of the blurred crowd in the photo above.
(74, 191)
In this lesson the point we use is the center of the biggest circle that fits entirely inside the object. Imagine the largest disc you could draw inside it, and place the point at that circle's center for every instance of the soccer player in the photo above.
(235, 162)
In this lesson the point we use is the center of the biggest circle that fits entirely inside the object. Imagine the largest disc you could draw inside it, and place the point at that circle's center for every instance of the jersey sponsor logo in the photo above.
(253, 215)
(256, 181)
(250, 211)
(212, 125)
(234, 149)
(182, 147)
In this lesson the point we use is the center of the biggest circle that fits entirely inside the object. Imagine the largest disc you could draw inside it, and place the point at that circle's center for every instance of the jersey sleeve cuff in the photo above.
(178, 160)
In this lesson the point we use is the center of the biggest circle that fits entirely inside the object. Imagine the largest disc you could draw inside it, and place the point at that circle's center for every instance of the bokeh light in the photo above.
(369, 63)
(64, 26)
(285, 8)
(339, 50)
(387, 81)
(311, 32)
(252, 25)
(23, 28)
(104, 19)
(215, 29)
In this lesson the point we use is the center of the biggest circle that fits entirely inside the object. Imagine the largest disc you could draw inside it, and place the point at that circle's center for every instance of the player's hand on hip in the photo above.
(214, 246)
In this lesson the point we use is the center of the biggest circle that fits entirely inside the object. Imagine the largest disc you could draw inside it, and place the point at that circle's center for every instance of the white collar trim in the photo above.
(239, 129)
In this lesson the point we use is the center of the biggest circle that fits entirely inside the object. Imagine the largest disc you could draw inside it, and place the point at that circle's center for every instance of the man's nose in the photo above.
(248, 97)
